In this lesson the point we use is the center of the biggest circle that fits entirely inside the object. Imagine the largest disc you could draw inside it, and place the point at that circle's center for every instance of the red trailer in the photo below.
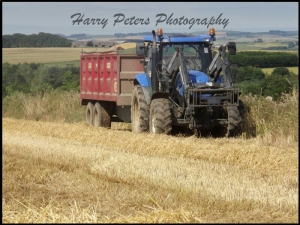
(106, 83)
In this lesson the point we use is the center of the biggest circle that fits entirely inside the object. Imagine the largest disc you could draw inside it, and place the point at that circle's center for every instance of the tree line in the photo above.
(291, 44)
(251, 79)
(264, 59)
(34, 40)
(35, 77)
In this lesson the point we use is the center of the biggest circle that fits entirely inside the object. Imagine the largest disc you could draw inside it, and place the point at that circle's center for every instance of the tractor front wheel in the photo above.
(160, 116)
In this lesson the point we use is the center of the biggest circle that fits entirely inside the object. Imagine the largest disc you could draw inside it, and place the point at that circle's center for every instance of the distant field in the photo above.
(258, 46)
(63, 56)
(270, 70)
(41, 55)
(49, 55)
(242, 46)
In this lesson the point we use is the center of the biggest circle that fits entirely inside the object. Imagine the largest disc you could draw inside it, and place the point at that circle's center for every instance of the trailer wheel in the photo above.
(102, 116)
(234, 120)
(139, 111)
(89, 114)
(160, 116)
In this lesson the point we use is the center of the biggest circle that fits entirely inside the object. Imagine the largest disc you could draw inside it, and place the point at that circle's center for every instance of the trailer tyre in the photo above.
(139, 111)
(89, 114)
(160, 117)
(101, 114)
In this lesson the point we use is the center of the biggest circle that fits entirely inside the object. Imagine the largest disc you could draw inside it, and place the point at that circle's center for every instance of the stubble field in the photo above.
(59, 172)
(51, 55)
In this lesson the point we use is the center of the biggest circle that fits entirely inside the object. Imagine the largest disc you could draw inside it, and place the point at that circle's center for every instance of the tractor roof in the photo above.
(180, 39)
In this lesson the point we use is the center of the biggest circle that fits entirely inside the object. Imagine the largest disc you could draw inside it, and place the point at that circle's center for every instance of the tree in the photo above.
(70, 80)
(282, 71)
(35, 78)
(53, 77)
(247, 73)
(275, 85)
(37, 83)
(247, 87)
(120, 35)
(89, 43)
(264, 59)
(291, 45)
(8, 78)
(39, 40)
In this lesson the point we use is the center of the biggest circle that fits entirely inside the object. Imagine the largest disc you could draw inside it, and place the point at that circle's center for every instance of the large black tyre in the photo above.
(102, 116)
(234, 120)
(160, 120)
(168, 117)
(242, 111)
(89, 113)
(139, 111)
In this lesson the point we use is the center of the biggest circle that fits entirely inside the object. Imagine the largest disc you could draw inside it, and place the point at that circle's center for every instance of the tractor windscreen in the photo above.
(196, 56)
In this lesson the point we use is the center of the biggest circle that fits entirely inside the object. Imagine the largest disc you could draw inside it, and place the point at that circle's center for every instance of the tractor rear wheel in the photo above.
(234, 120)
(89, 113)
(102, 116)
(242, 112)
(139, 111)
(160, 116)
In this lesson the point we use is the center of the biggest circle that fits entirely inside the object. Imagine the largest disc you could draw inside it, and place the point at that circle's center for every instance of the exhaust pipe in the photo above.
(154, 80)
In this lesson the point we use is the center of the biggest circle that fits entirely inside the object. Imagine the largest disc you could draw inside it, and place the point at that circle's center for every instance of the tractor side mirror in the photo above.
(231, 48)
(140, 49)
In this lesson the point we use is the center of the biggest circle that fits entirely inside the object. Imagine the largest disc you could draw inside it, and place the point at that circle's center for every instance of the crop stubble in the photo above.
(57, 172)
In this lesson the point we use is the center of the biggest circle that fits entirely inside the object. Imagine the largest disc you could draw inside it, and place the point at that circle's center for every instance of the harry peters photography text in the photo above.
(120, 18)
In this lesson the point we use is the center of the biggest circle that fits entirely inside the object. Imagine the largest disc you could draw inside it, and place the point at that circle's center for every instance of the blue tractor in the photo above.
(185, 85)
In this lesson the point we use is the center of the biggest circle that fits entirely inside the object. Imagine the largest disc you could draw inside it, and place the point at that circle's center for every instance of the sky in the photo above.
(126, 17)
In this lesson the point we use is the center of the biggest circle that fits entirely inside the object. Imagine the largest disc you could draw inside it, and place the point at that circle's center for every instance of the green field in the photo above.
(295, 70)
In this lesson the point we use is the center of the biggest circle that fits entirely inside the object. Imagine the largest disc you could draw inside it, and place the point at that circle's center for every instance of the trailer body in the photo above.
(108, 78)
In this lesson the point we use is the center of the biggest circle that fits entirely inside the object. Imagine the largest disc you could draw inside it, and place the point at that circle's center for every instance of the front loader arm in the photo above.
(218, 64)
(177, 65)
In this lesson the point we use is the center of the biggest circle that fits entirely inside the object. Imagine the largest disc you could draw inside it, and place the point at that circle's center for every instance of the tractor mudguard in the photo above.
(145, 82)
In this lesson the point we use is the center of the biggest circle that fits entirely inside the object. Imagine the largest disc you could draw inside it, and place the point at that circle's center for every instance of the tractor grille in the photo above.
(212, 97)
